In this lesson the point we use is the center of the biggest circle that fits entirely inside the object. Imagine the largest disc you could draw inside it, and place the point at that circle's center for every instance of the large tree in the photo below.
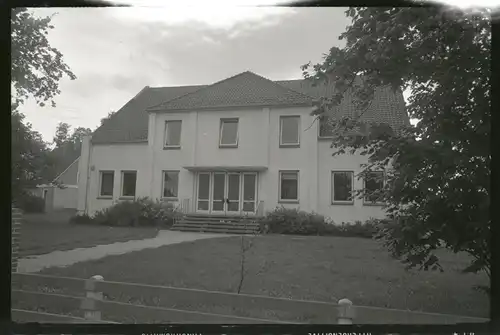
(437, 187)
(36, 67)
(31, 163)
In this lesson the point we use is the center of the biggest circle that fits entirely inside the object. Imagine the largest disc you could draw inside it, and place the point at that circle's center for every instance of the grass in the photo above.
(44, 233)
(317, 268)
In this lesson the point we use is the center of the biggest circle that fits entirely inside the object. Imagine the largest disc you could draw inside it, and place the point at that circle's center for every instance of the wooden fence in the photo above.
(94, 299)
(88, 300)
(17, 217)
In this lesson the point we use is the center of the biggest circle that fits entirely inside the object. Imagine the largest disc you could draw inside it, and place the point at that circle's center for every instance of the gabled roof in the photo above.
(130, 123)
(242, 90)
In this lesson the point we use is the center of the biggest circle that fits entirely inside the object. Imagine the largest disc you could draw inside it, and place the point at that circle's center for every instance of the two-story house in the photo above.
(243, 145)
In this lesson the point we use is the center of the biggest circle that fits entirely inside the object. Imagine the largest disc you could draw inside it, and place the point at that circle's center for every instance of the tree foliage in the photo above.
(438, 171)
(36, 67)
(31, 162)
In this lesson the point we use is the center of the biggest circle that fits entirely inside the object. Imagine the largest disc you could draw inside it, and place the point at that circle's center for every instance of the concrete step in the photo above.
(214, 230)
(180, 225)
(228, 224)
(218, 219)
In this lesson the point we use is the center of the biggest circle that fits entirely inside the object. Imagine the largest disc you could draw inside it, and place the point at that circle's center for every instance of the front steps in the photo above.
(218, 224)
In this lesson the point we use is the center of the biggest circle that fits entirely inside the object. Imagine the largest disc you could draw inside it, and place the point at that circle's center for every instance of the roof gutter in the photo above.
(159, 110)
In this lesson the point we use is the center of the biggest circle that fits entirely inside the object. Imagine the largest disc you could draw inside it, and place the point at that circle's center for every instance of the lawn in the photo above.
(317, 268)
(44, 233)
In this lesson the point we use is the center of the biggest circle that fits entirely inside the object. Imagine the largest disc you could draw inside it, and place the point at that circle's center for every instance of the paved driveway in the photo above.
(69, 257)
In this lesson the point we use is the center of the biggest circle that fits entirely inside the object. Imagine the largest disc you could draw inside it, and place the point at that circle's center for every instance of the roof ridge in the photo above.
(202, 88)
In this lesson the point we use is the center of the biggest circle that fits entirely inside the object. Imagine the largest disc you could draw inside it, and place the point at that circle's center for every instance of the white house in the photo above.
(245, 144)
(63, 192)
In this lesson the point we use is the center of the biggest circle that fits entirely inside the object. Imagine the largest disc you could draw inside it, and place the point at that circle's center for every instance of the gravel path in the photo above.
(69, 257)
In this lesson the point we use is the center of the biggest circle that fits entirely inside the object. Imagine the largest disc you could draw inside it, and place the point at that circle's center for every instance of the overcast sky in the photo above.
(115, 52)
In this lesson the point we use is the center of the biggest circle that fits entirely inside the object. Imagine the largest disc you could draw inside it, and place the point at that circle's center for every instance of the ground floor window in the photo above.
(342, 187)
(106, 183)
(374, 182)
(170, 184)
(129, 179)
(289, 186)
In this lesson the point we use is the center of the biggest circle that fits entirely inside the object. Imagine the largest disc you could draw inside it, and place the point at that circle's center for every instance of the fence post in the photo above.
(345, 312)
(17, 217)
(89, 303)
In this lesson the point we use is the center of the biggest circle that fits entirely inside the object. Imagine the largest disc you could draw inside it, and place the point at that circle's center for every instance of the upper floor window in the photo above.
(129, 179)
(173, 133)
(325, 127)
(289, 131)
(106, 182)
(374, 183)
(228, 136)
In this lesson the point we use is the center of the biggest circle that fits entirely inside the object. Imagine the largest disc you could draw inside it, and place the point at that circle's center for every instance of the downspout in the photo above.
(89, 164)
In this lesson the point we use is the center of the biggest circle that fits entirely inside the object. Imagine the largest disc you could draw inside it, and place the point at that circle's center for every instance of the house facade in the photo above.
(244, 145)
(63, 192)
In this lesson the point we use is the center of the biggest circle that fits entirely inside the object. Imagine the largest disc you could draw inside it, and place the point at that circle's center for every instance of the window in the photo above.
(173, 134)
(374, 182)
(170, 184)
(228, 133)
(342, 184)
(325, 127)
(129, 179)
(289, 186)
(106, 183)
(289, 131)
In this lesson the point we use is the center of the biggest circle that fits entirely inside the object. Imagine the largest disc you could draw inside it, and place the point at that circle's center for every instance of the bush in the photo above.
(138, 213)
(30, 203)
(296, 222)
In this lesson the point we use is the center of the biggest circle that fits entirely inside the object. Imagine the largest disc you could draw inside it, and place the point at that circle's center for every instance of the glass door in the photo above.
(249, 192)
(219, 193)
(203, 201)
(233, 193)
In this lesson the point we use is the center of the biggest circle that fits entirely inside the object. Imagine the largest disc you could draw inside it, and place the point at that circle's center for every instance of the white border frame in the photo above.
(292, 201)
(121, 184)
(371, 203)
(162, 196)
(332, 189)
(229, 120)
(99, 190)
(294, 145)
(173, 146)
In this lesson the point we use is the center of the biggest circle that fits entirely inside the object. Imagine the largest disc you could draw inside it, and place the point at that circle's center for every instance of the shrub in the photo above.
(294, 221)
(30, 203)
(140, 212)
(80, 219)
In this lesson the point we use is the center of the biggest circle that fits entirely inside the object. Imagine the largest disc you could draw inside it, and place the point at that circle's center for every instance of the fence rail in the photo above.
(91, 298)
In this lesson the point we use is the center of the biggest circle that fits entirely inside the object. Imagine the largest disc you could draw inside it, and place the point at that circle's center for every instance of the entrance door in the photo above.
(203, 200)
(227, 193)
(219, 193)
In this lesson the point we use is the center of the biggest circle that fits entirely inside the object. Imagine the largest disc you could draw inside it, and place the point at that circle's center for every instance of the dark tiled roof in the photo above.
(130, 123)
(244, 89)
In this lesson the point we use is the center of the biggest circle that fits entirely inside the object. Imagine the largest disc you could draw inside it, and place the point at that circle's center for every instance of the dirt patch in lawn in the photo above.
(41, 234)
(316, 268)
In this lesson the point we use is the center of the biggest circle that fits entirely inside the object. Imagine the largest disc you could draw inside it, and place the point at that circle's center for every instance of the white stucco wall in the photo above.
(341, 212)
(258, 145)
(66, 198)
(116, 157)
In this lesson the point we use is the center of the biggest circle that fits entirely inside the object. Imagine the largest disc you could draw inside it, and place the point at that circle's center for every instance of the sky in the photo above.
(115, 52)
